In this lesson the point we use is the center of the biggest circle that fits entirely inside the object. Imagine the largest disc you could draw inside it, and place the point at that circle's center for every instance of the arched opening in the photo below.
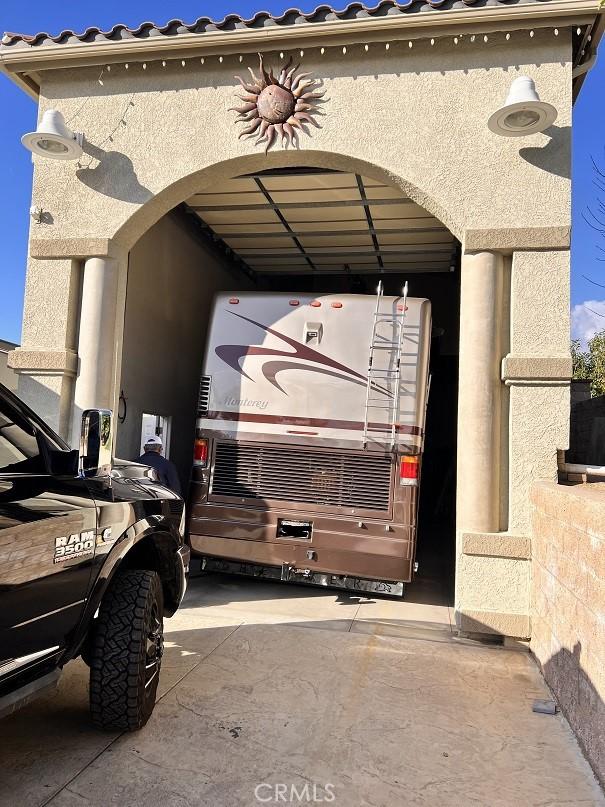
(300, 227)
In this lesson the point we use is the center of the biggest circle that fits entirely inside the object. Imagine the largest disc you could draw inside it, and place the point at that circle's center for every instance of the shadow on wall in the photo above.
(113, 176)
(580, 702)
(554, 156)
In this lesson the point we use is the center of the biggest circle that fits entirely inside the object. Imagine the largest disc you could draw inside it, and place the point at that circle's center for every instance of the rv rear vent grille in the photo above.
(204, 396)
(335, 479)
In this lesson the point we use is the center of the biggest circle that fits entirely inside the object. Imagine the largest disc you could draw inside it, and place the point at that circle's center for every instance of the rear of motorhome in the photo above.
(309, 438)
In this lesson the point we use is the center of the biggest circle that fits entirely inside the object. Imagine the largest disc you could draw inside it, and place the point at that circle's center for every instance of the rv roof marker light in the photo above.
(523, 112)
(294, 302)
(54, 139)
(233, 300)
(316, 304)
(336, 305)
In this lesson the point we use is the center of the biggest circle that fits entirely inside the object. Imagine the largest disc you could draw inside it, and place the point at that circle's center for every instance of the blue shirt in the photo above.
(166, 470)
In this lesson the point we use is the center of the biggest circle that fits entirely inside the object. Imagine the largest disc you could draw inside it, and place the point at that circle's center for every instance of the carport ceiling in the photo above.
(329, 222)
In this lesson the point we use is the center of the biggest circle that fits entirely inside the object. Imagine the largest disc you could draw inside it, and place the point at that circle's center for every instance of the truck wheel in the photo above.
(126, 652)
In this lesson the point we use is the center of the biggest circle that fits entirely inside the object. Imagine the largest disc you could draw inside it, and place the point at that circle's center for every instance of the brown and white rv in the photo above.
(309, 438)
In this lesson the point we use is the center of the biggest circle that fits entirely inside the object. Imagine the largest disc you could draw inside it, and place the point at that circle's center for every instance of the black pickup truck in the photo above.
(92, 557)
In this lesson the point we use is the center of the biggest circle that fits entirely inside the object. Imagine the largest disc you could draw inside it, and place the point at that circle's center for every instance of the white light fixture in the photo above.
(53, 139)
(523, 113)
(36, 214)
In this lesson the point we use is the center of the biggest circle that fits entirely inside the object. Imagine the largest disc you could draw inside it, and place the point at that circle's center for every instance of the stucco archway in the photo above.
(211, 176)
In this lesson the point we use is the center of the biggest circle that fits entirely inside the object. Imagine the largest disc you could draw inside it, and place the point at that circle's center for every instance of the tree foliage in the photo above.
(589, 365)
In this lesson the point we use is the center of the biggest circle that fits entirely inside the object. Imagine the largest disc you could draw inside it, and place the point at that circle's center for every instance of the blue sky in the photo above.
(19, 116)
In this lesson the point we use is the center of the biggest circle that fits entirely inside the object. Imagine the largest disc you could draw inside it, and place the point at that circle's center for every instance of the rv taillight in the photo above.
(408, 470)
(200, 452)
(294, 302)
(233, 300)
(336, 305)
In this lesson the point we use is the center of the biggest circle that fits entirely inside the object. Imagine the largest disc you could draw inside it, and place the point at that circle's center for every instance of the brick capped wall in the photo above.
(568, 605)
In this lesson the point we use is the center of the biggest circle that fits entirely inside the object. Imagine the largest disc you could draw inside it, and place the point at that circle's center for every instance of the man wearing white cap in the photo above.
(166, 470)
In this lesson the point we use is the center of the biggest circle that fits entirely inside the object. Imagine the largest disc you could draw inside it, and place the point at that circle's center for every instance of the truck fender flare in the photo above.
(156, 526)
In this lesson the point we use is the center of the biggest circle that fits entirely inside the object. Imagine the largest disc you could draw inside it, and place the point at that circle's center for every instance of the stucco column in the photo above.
(479, 397)
(97, 339)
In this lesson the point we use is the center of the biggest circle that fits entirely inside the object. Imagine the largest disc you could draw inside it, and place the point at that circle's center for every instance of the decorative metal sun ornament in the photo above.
(277, 107)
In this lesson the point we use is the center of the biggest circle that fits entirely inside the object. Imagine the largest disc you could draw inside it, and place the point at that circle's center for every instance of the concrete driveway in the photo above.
(274, 694)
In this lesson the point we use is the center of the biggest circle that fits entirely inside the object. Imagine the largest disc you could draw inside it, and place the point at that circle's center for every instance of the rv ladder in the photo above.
(390, 375)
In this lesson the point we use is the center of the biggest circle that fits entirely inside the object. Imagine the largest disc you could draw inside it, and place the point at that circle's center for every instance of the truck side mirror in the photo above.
(96, 442)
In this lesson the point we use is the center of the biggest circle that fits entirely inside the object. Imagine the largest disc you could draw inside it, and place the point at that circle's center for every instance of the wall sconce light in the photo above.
(54, 139)
(523, 113)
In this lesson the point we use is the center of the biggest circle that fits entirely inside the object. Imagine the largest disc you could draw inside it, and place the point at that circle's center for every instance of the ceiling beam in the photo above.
(352, 269)
(331, 233)
(310, 253)
(294, 205)
(269, 199)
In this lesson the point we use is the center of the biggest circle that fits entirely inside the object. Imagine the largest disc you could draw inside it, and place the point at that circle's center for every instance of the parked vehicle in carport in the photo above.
(92, 557)
(310, 435)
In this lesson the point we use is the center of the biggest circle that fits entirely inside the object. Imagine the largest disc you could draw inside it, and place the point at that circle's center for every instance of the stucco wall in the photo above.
(172, 278)
(418, 114)
(568, 605)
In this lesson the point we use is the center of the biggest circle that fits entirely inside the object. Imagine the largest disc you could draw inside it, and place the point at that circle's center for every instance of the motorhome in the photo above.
(309, 438)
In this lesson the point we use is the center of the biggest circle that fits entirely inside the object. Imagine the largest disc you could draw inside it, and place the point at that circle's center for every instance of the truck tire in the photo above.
(126, 652)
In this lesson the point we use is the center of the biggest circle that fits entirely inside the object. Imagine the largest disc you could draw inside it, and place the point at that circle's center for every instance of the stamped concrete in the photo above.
(348, 700)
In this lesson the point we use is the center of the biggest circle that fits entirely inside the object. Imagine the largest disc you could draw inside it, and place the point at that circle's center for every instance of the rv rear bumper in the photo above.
(365, 549)
(286, 574)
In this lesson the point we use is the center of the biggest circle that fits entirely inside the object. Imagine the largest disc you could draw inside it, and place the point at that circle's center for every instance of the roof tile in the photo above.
(262, 19)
